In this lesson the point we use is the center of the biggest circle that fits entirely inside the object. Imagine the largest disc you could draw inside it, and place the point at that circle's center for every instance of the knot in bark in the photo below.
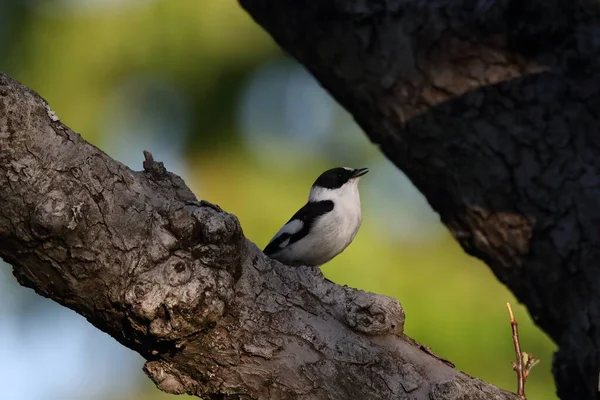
(54, 214)
(166, 380)
(374, 314)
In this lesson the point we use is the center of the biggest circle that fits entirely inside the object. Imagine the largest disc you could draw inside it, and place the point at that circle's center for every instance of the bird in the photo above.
(325, 225)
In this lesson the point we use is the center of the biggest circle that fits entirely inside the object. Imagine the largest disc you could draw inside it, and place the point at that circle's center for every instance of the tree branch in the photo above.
(182, 286)
(491, 109)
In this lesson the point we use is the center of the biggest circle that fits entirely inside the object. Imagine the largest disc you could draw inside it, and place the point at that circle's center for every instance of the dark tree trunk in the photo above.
(492, 109)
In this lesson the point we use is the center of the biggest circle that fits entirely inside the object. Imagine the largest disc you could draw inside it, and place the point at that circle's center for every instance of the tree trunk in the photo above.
(491, 109)
(180, 284)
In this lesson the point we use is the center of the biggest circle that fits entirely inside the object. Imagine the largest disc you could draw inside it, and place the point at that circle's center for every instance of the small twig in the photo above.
(525, 361)
(518, 366)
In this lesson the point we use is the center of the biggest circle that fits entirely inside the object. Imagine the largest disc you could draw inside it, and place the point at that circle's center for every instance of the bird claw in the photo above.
(203, 203)
(329, 280)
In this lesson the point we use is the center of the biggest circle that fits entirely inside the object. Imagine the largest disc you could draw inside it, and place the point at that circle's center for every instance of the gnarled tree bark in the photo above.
(180, 284)
(491, 109)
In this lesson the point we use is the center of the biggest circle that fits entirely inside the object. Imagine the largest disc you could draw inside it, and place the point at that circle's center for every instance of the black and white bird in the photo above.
(326, 225)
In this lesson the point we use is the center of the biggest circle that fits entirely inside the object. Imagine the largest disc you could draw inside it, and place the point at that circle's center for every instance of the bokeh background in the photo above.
(200, 85)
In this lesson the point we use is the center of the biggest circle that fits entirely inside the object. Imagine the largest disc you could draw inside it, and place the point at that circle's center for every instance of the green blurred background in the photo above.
(200, 85)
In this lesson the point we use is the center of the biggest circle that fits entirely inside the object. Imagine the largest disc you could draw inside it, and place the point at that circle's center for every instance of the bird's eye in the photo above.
(339, 175)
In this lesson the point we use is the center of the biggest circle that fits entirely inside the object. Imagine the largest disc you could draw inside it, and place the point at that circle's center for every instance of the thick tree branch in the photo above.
(182, 286)
(491, 108)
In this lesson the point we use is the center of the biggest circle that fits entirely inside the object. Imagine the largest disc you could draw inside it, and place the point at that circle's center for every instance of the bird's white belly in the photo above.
(329, 236)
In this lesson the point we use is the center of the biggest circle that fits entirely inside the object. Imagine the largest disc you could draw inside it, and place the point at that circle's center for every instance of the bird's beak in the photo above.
(360, 172)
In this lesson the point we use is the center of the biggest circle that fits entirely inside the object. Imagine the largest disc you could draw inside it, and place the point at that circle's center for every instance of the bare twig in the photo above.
(518, 366)
(525, 361)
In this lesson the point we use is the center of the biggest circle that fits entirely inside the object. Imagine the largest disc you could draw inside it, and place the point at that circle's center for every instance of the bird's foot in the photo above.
(203, 203)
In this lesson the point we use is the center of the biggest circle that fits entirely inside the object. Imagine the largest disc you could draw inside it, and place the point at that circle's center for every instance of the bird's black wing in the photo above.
(298, 226)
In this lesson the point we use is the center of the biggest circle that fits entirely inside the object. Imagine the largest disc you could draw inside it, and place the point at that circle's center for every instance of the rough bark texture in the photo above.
(181, 285)
(492, 110)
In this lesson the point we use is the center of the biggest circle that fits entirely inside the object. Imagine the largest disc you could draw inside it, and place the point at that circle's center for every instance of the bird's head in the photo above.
(336, 182)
